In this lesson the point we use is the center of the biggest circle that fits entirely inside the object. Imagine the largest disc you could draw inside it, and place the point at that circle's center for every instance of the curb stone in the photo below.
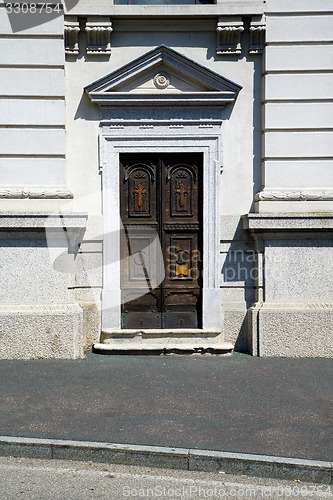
(174, 458)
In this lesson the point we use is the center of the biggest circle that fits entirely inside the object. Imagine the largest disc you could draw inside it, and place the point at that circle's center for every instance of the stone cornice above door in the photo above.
(163, 77)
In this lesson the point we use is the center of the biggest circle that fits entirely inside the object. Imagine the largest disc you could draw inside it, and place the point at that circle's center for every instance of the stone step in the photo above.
(158, 346)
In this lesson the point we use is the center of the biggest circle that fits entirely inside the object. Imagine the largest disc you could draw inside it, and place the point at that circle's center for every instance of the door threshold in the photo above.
(171, 341)
(141, 332)
(162, 336)
(168, 347)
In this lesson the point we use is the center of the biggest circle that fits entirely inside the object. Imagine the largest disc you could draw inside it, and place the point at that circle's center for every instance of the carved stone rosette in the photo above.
(72, 30)
(98, 37)
(228, 36)
(161, 80)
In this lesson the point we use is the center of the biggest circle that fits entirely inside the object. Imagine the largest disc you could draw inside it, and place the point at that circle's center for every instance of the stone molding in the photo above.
(41, 220)
(98, 36)
(294, 195)
(72, 29)
(228, 35)
(153, 11)
(38, 308)
(111, 145)
(288, 222)
(35, 193)
(135, 119)
(297, 305)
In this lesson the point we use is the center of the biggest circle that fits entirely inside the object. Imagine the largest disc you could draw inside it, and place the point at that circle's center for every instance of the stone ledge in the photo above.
(168, 347)
(36, 193)
(229, 7)
(41, 220)
(294, 195)
(299, 306)
(288, 222)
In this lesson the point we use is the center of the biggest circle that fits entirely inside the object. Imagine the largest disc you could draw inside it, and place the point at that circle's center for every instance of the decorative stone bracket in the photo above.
(98, 30)
(72, 30)
(98, 36)
(257, 36)
(229, 31)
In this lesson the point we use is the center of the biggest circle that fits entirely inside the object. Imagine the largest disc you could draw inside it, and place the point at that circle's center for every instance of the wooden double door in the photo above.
(161, 244)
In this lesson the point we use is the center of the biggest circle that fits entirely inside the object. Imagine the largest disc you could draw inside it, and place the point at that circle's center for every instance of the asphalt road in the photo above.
(33, 479)
(280, 407)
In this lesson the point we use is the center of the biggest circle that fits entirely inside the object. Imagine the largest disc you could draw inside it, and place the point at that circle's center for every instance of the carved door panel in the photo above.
(161, 243)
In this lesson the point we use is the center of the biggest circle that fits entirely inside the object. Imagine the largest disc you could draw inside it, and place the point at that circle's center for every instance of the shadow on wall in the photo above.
(257, 128)
(241, 344)
(86, 110)
(239, 268)
(238, 280)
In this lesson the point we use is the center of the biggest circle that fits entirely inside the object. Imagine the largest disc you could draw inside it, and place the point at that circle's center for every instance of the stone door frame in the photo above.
(142, 140)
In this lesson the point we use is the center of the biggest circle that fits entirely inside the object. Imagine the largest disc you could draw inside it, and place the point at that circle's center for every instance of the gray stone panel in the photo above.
(88, 269)
(299, 270)
(302, 332)
(41, 331)
(236, 328)
(91, 322)
(28, 269)
(238, 268)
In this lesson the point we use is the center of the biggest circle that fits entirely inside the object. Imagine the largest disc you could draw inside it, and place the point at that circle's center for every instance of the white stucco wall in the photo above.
(32, 113)
(297, 114)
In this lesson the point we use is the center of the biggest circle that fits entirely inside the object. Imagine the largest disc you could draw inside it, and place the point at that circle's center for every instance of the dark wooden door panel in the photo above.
(161, 244)
(138, 190)
(180, 194)
(182, 259)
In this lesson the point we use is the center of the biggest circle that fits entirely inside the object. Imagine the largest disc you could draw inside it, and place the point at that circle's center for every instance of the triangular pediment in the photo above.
(168, 77)
(160, 78)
